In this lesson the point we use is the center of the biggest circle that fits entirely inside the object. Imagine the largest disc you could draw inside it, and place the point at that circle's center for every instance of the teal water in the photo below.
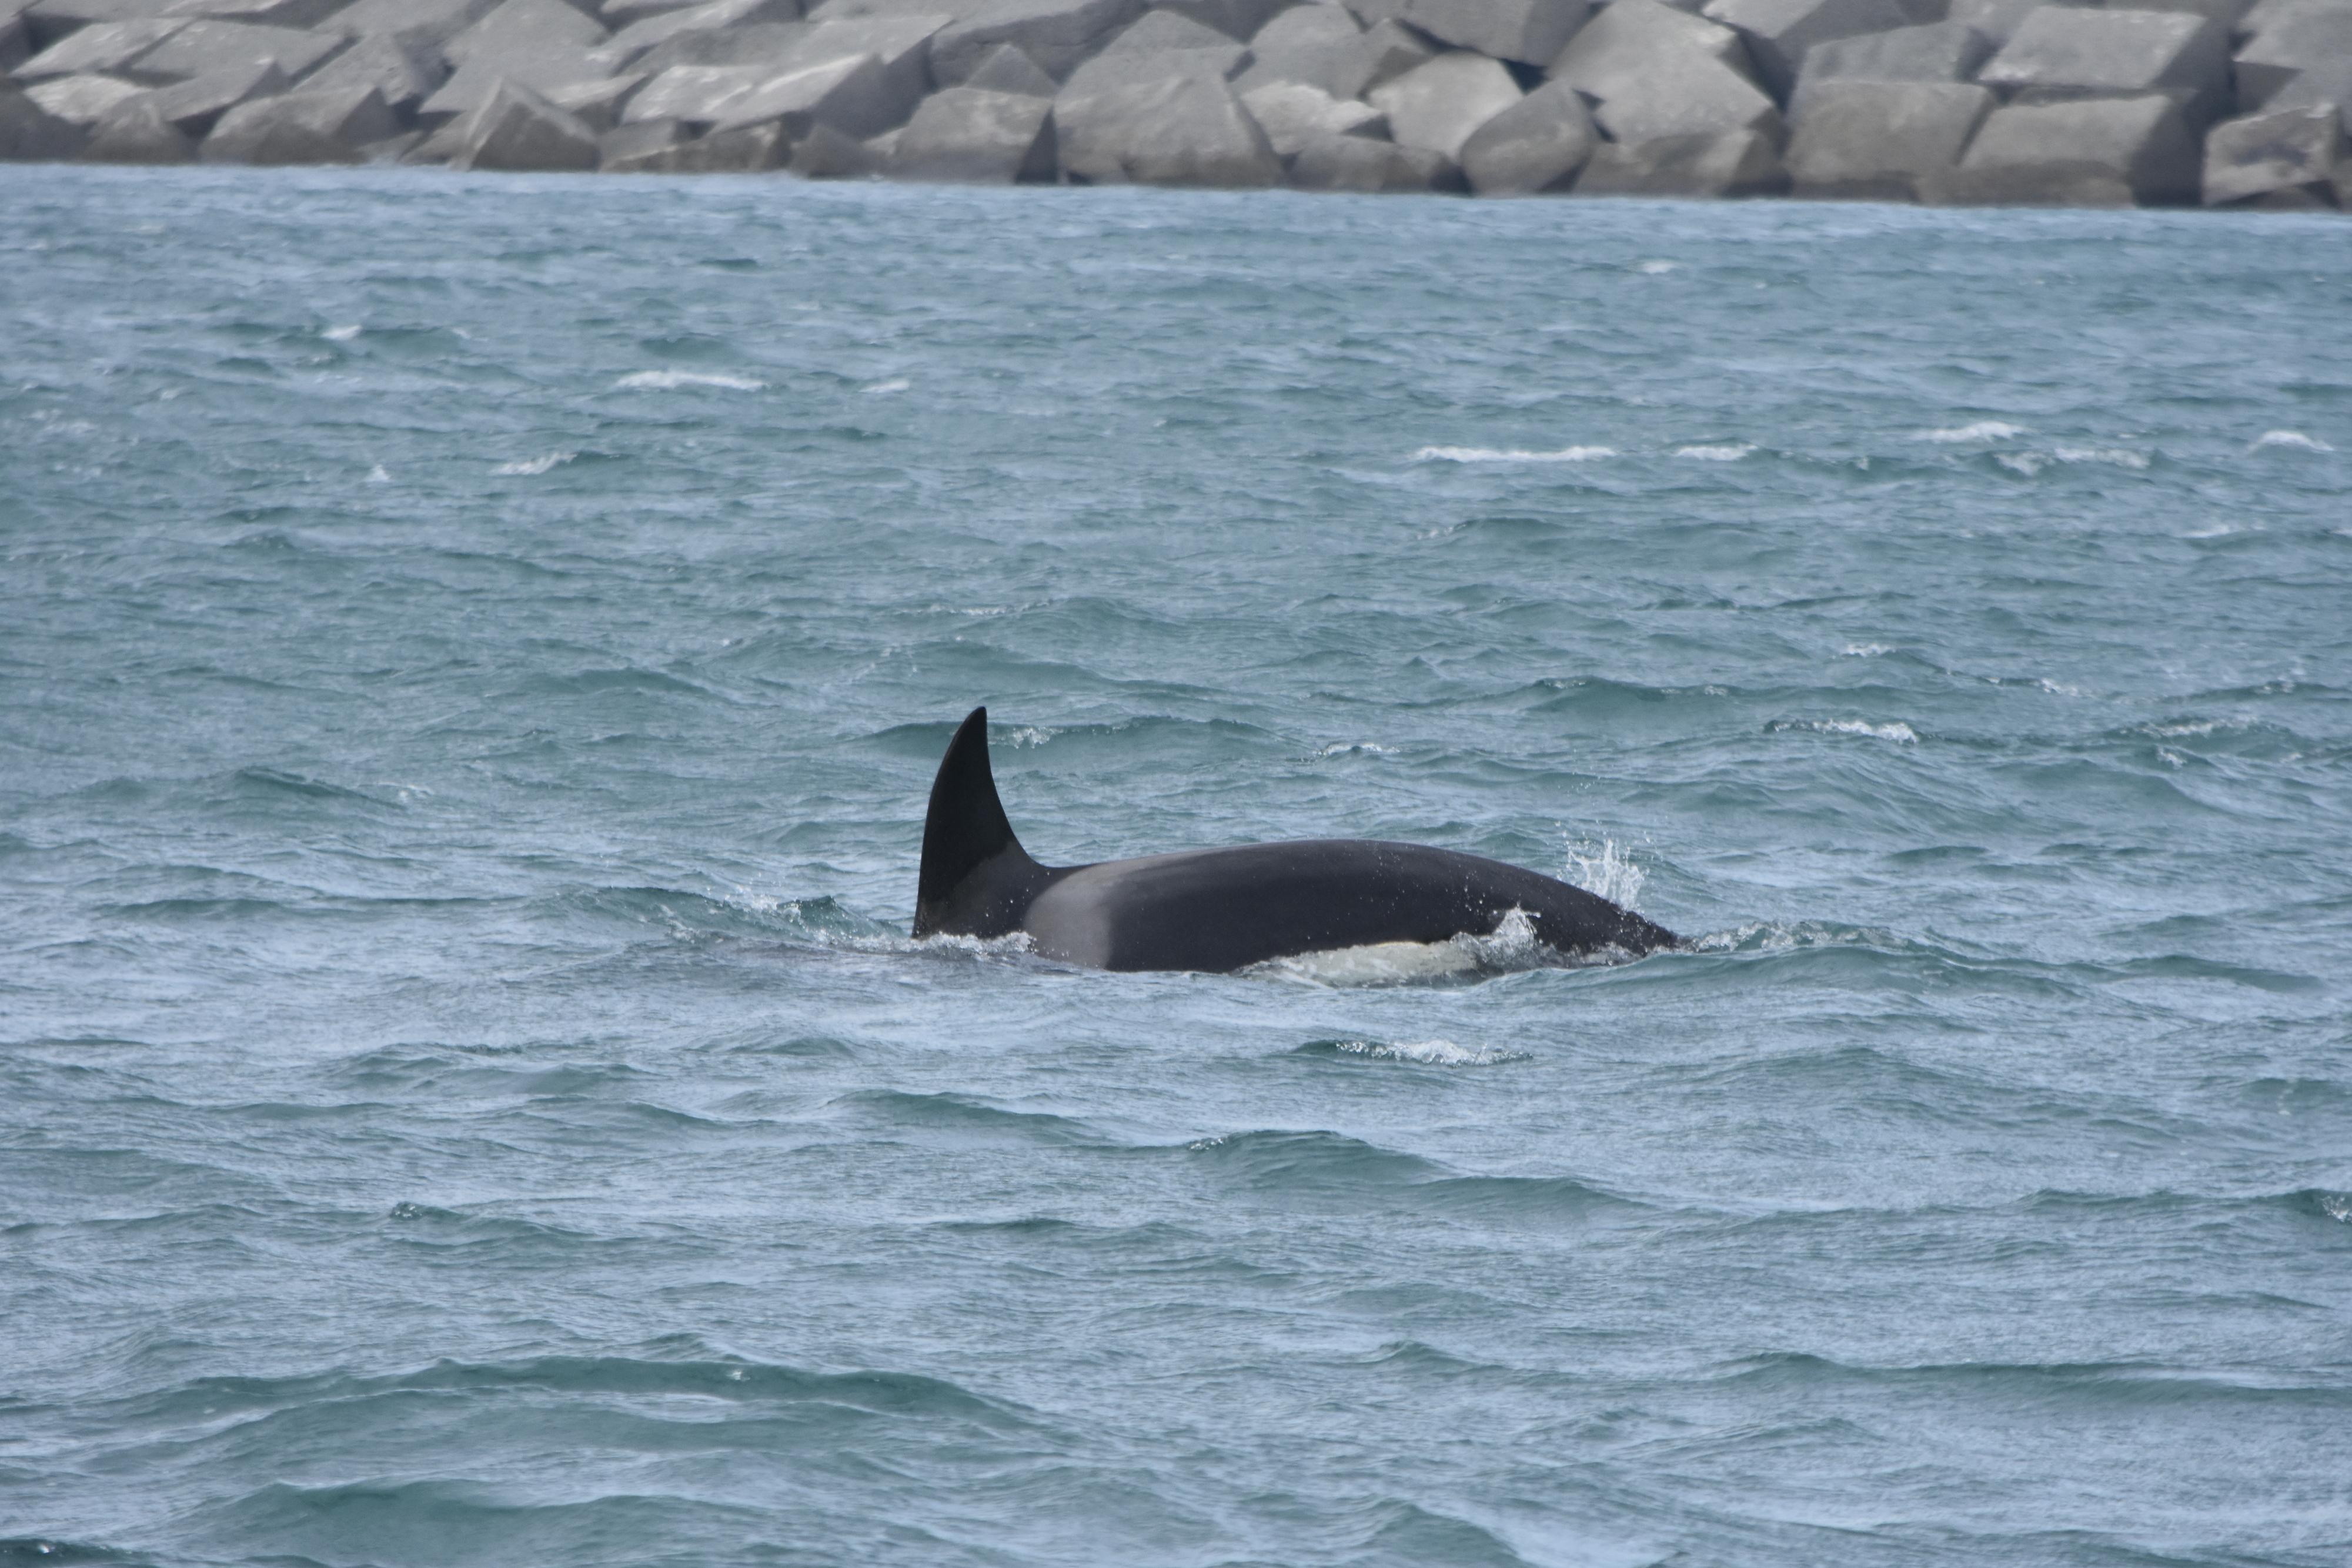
(475, 651)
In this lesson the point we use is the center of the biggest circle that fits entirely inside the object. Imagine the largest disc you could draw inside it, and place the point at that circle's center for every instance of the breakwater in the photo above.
(1987, 102)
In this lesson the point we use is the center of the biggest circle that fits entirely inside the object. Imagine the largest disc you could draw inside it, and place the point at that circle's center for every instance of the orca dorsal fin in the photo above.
(976, 879)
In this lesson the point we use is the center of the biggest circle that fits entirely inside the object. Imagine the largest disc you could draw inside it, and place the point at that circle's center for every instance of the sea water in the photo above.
(475, 652)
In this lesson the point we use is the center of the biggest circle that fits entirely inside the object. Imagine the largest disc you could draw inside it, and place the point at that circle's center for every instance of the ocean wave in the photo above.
(667, 381)
(1981, 430)
(1495, 454)
(1728, 452)
(532, 466)
(1892, 730)
(1422, 1053)
(2292, 440)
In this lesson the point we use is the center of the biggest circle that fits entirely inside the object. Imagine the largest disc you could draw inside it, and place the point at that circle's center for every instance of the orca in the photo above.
(1220, 910)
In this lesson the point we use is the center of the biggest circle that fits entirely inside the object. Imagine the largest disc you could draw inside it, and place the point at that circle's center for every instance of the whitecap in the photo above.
(664, 381)
(883, 389)
(2210, 531)
(2295, 440)
(1600, 869)
(2026, 463)
(1494, 454)
(1374, 963)
(1731, 451)
(1657, 268)
(379, 475)
(1429, 1052)
(1983, 430)
(2121, 457)
(534, 465)
(341, 334)
(1341, 749)
(1865, 649)
(1895, 730)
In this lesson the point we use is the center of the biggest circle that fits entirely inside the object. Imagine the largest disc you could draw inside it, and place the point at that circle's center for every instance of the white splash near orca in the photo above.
(1226, 909)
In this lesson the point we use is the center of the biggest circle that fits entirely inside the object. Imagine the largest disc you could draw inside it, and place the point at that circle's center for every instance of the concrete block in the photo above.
(297, 13)
(968, 135)
(192, 108)
(402, 76)
(81, 100)
(31, 134)
(1780, 32)
(1108, 71)
(1238, 20)
(1937, 51)
(105, 49)
(855, 95)
(1386, 51)
(636, 40)
(1688, 94)
(1537, 144)
(2059, 51)
(515, 30)
(1734, 164)
(2296, 42)
(1440, 104)
(47, 22)
(421, 25)
(1532, 32)
(743, 150)
(1878, 141)
(1996, 19)
(2285, 151)
(203, 48)
(1183, 130)
(471, 84)
(825, 153)
(759, 44)
(597, 103)
(1310, 44)
(1360, 165)
(625, 148)
(2265, 14)
(2084, 153)
(2324, 86)
(1629, 41)
(300, 128)
(1161, 29)
(517, 128)
(699, 96)
(900, 43)
(1056, 34)
(1293, 113)
(619, 13)
(135, 131)
(16, 42)
(1005, 69)
(2227, 13)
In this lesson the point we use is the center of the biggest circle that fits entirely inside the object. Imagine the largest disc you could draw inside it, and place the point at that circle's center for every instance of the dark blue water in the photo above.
(472, 656)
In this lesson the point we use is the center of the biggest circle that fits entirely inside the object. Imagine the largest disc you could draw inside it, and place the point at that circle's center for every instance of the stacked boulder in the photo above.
(2232, 103)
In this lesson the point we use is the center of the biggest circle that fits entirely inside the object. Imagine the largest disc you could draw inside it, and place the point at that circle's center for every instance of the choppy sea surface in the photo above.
(473, 654)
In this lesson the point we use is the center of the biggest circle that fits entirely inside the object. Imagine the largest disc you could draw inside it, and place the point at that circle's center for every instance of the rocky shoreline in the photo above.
(1974, 102)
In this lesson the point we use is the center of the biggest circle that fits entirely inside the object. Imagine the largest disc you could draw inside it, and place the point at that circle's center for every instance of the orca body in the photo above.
(1221, 910)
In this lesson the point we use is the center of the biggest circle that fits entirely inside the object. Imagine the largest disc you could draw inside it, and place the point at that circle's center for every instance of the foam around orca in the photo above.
(1225, 909)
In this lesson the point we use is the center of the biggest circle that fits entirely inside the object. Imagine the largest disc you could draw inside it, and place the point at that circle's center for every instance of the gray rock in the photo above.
(83, 99)
(1005, 69)
(825, 153)
(1183, 130)
(201, 48)
(1778, 32)
(1631, 40)
(2088, 152)
(135, 131)
(1737, 163)
(1159, 30)
(1310, 44)
(1056, 34)
(1688, 94)
(544, 71)
(2062, 52)
(15, 40)
(761, 43)
(856, 96)
(1237, 19)
(1108, 71)
(620, 14)
(902, 44)
(1372, 168)
(2262, 155)
(697, 95)
(624, 149)
(420, 25)
(300, 128)
(1878, 141)
(1532, 32)
(597, 103)
(1440, 104)
(1386, 51)
(2294, 43)
(49, 21)
(1937, 51)
(2324, 86)
(2227, 13)
(970, 135)
(104, 48)
(741, 149)
(2265, 14)
(192, 108)
(1537, 144)
(402, 76)
(1293, 113)
(31, 134)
